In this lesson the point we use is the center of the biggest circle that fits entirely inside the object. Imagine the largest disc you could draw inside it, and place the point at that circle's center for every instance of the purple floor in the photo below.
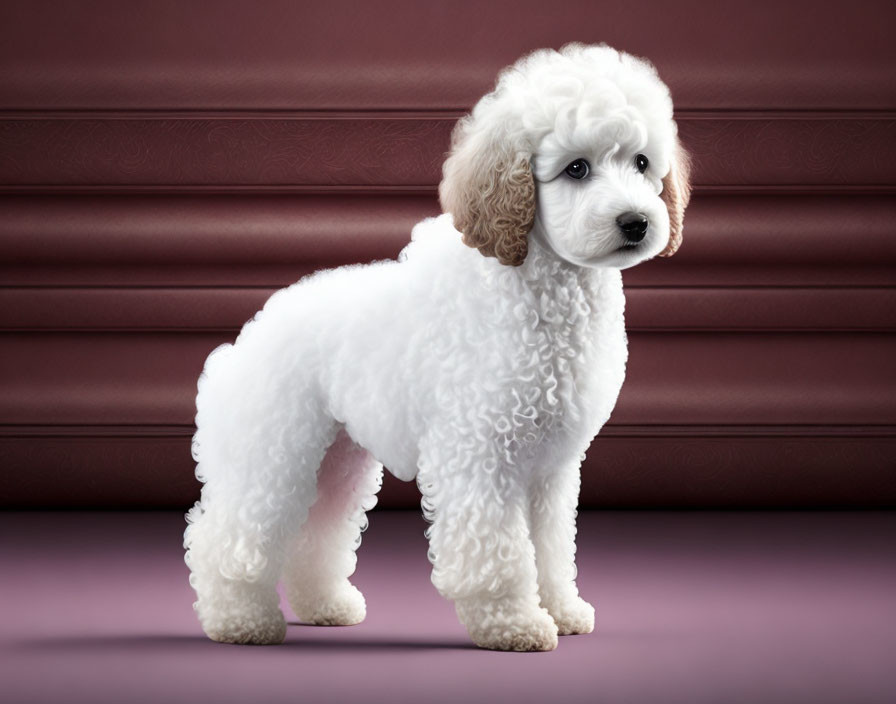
(692, 607)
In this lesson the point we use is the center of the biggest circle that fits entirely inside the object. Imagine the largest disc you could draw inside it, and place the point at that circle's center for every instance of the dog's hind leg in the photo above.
(259, 483)
(322, 557)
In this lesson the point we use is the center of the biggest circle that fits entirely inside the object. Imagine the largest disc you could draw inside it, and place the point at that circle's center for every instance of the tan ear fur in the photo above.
(488, 188)
(676, 194)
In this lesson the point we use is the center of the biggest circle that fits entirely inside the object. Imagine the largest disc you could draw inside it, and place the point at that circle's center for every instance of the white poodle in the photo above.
(482, 363)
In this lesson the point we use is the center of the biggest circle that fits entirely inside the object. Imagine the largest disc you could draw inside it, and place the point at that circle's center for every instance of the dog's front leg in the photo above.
(482, 556)
(554, 495)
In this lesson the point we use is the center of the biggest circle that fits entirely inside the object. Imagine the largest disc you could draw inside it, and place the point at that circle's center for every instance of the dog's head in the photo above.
(576, 148)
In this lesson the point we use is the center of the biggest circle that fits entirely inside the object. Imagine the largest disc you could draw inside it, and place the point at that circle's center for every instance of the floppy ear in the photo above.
(676, 194)
(488, 188)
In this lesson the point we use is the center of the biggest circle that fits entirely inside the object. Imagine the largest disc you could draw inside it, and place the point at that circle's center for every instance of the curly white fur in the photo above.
(485, 382)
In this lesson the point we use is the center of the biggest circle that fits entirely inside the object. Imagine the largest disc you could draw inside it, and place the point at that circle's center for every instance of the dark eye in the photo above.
(641, 163)
(578, 169)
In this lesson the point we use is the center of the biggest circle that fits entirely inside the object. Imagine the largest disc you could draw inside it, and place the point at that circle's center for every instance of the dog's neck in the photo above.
(552, 278)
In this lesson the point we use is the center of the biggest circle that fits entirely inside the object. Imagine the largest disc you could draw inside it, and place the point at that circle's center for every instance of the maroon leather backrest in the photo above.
(164, 166)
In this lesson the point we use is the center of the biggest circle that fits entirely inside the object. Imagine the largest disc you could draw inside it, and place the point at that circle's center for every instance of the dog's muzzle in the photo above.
(633, 227)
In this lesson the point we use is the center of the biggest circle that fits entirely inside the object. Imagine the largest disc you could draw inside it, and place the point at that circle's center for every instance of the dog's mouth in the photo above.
(628, 245)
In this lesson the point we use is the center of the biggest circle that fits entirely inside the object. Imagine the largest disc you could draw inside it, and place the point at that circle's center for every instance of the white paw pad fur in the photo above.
(572, 616)
(252, 627)
(497, 627)
(344, 606)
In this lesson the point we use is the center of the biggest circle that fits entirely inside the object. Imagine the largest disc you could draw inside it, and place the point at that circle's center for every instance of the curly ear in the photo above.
(676, 194)
(488, 188)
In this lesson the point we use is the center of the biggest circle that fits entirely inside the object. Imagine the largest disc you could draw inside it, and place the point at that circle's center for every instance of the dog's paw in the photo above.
(251, 627)
(497, 625)
(573, 616)
(531, 639)
(344, 606)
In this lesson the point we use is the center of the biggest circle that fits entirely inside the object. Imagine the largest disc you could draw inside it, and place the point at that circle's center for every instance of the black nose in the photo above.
(633, 226)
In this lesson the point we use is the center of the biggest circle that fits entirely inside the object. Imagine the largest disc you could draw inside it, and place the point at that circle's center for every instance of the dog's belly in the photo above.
(398, 455)
(375, 398)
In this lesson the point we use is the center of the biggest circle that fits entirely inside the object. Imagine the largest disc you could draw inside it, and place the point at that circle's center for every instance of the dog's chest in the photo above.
(570, 354)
